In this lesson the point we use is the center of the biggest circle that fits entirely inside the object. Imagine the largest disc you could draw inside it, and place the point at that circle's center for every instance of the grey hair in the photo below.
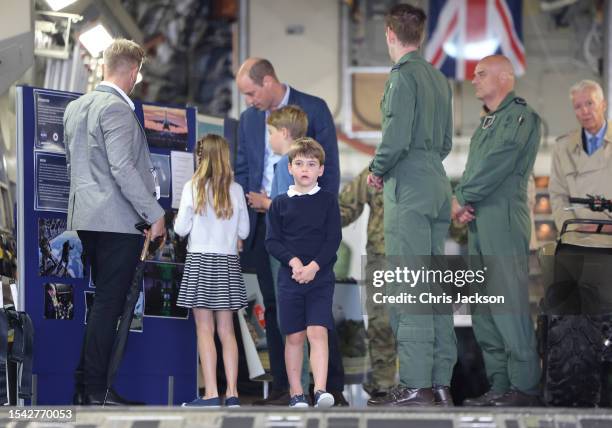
(587, 84)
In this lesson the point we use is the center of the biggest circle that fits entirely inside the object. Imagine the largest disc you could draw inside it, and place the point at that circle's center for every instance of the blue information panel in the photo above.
(51, 181)
(160, 363)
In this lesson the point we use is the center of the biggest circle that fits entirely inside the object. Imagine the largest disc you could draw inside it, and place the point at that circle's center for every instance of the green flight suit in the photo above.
(381, 344)
(416, 137)
(501, 157)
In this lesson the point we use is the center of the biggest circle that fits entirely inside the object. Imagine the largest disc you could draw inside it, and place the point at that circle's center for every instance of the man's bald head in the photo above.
(256, 69)
(257, 81)
(501, 66)
(493, 79)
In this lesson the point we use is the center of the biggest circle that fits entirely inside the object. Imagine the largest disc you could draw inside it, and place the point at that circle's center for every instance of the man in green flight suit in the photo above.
(416, 137)
(381, 344)
(492, 198)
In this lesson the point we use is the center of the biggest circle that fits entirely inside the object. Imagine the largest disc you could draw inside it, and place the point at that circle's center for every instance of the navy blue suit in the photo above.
(249, 170)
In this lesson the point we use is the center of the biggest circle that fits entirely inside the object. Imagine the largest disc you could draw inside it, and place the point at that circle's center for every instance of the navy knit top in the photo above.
(305, 226)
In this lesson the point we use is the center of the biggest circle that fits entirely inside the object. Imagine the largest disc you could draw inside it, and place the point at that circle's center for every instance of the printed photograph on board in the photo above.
(165, 127)
(161, 287)
(59, 251)
(59, 301)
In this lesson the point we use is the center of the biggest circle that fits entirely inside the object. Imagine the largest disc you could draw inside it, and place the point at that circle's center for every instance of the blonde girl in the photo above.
(213, 213)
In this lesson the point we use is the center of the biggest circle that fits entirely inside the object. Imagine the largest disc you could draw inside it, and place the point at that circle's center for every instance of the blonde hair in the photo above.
(214, 174)
(306, 147)
(292, 118)
(122, 54)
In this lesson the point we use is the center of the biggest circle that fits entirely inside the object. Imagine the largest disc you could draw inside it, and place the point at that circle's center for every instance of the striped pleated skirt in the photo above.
(212, 281)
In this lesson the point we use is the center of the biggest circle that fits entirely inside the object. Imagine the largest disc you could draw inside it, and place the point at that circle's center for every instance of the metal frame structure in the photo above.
(71, 18)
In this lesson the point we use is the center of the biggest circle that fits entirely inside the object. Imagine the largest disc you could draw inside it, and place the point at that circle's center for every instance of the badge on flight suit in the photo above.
(488, 121)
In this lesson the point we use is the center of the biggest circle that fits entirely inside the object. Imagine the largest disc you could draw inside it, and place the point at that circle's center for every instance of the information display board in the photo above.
(160, 362)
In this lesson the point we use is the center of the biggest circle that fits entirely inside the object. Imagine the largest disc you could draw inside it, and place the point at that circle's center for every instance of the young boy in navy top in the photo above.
(304, 234)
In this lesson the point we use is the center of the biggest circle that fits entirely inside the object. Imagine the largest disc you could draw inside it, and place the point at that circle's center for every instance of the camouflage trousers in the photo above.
(381, 341)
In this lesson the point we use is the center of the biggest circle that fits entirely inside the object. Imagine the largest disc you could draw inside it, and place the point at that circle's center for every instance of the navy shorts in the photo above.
(302, 305)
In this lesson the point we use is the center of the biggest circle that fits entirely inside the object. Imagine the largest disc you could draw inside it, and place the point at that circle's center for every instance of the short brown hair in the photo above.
(122, 54)
(260, 69)
(407, 22)
(306, 147)
(291, 118)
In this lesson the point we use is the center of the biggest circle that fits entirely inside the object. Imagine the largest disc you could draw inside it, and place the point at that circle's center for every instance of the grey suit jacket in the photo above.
(111, 182)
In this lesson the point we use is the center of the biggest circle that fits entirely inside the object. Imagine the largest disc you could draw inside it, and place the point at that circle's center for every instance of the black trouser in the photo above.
(113, 258)
(276, 349)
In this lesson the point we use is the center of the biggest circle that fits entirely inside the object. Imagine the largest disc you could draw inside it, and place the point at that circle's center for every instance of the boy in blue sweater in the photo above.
(285, 125)
(304, 234)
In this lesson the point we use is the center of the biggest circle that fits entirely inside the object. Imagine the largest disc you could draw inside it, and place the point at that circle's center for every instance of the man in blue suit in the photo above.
(254, 170)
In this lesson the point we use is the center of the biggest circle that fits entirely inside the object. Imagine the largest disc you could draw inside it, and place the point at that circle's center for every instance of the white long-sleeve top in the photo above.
(208, 233)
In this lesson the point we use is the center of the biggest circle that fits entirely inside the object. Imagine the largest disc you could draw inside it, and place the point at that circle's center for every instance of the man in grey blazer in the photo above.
(112, 187)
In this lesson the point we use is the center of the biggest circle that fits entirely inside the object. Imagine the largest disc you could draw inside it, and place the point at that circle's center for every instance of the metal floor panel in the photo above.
(282, 417)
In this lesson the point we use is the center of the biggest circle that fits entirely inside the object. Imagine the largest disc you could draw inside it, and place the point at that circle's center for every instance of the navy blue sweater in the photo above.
(307, 227)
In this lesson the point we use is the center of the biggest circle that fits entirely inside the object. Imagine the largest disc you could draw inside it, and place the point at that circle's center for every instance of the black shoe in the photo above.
(339, 400)
(275, 398)
(375, 391)
(485, 399)
(402, 396)
(516, 398)
(110, 399)
(442, 396)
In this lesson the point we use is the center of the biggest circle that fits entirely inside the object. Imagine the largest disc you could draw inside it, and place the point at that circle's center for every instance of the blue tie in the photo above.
(592, 145)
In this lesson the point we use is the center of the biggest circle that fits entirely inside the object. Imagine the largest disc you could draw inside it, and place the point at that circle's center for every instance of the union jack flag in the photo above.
(461, 32)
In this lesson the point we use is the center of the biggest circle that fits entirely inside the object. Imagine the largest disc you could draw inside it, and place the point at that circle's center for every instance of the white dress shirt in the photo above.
(118, 89)
(293, 192)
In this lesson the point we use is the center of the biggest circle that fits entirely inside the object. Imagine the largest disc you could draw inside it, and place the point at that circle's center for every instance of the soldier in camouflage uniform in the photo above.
(381, 343)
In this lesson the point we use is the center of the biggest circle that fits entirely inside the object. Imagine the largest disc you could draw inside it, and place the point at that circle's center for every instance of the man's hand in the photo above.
(157, 229)
(466, 214)
(375, 181)
(307, 273)
(259, 201)
(462, 214)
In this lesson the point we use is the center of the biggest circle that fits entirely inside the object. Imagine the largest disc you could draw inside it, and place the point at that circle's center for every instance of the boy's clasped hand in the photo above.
(303, 274)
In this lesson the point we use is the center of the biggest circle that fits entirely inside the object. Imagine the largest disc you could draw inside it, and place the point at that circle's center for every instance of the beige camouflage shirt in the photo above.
(353, 197)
